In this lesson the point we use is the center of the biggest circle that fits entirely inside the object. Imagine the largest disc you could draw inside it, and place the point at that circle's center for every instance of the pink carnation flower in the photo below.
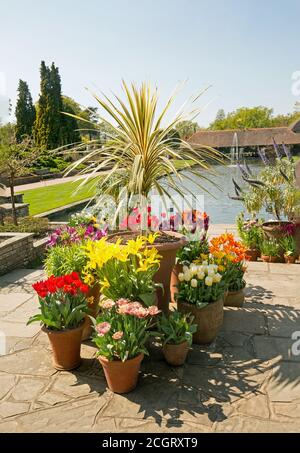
(118, 335)
(103, 328)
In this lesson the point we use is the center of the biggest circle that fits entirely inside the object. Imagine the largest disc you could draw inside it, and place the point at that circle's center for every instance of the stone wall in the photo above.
(16, 250)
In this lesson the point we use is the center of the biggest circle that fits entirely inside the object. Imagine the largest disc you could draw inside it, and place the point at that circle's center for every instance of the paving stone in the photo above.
(281, 268)
(282, 323)
(256, 406)
(23, 312)
(52, 398)
(240, 424)
(8, 426)
(272, 285)
(285, 383)
(27, 389)
(19, 276)
(76, 386)
(242, 320)
(9, 409)
(13, 329)
(7, 381)
(257, 266)
(32, 361)
(272, 347)
(287, 410)
(9, 302)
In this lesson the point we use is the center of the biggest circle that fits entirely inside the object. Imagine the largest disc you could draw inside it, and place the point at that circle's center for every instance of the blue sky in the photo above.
(246, 49)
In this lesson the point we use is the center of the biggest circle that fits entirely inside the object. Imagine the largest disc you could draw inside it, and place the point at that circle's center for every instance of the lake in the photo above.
(216, 203)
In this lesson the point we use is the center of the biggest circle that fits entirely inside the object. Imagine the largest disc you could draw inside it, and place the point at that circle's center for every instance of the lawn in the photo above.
(46, 198)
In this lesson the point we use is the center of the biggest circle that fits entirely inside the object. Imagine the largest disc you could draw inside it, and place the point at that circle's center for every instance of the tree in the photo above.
(47, 127)
(25, 112)
(69, 132)
(187, 128)
(15, 160)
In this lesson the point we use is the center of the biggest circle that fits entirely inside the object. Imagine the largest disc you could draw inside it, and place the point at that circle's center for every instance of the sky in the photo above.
(246, 50)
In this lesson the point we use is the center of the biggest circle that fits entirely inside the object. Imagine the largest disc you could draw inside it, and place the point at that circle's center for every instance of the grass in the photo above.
(46, 198)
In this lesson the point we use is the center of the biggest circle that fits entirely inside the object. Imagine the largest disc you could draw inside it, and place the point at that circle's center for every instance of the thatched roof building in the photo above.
(248, 137)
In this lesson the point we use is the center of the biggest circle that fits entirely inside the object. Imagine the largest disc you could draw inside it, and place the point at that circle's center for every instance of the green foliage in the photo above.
(288, 244)
(63, 260)
(250, 231)
(253, 117)
(270, 247)
(234, 276)
(186, 128)
(176, 328)
(195, 246)
(60, 311)
(25, 112)
(121, 336)
(276, 191)
(47, 127)
(37, 226)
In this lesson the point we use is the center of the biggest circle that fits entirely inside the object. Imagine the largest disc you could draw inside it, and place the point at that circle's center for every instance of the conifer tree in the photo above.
(25, 112)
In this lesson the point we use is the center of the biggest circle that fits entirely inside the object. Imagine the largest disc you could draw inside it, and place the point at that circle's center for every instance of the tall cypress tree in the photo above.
(48, 119)
(25, 112)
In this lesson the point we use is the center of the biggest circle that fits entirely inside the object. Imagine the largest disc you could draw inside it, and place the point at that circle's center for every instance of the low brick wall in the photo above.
(17, 250)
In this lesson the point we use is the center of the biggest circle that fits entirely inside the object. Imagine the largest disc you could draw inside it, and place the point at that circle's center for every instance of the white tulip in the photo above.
(187, 276)
(185, 269)
(217, 277)
(208, 281)
(193, 269)
(181, 277)
(200, 275)
(204, 263)
(210, 271)
(194, 283)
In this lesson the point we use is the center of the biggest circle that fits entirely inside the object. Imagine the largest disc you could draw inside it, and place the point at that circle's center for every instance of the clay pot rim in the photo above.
(233, 293)
(176, 344)
(275, 223)
(134, 359)
(49, 331)
(206, 306)
(165, 245)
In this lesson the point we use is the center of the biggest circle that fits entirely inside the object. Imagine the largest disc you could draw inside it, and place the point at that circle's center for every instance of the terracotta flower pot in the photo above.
(252, 254)
(93, 309)
(174, 280)
(270, 259)
(65, 347)
(289, 259)
(208, 319)
(121, 376)
(175, 354)
(274, 230)
(235, 298)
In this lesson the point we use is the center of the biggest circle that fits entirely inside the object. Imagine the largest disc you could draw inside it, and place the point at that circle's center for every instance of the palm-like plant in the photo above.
(141, 151)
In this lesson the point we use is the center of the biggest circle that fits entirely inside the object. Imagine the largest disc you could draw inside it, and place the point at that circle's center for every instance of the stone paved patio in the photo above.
(248, 380)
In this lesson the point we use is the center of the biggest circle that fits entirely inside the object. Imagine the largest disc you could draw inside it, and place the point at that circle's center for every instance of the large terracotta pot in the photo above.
(65, 347)
(177, 269)
(274, 230)
(168, 251)
(235, 298)
(121, 376)
(270, 259)
(93, 309)
(175, 354)
(252, 254)
(208, 319)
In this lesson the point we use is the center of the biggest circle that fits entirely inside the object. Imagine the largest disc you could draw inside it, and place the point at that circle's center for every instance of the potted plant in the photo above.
(121, 334)
(270, 250)
(201, 293)
(176, 332)
(63, 306)
(124, 270)
(230, 255)
(288, 245)
(251, 234)
(143, 154)
(71, 257)
(195, 228)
